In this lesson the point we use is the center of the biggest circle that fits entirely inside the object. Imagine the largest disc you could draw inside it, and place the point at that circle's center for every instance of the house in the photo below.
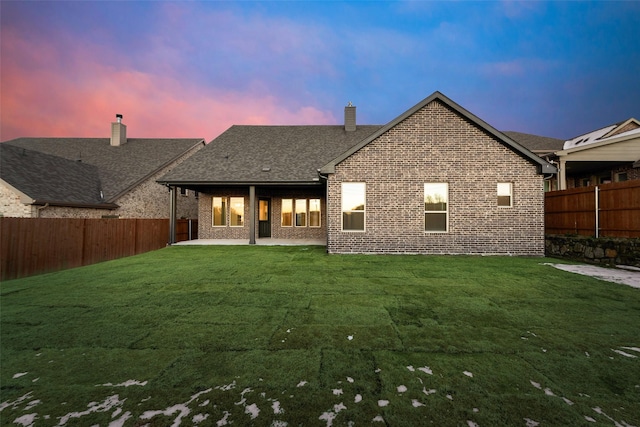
(92, 177)
(435, 180)
(609, 154)
(544, 147)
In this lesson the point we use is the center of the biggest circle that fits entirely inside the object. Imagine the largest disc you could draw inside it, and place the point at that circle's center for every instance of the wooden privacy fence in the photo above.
(38, 245)
(186, 229)
(608, 210)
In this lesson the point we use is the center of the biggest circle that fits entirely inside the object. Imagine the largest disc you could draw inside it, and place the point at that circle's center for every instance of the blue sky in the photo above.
(192, 69)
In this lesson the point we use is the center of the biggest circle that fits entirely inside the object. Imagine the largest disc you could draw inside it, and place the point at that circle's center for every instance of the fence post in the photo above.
(597, 192)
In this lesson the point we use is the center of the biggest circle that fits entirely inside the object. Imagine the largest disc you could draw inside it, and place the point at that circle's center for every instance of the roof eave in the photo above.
(237, 183)
(42, 202)
(24, 197)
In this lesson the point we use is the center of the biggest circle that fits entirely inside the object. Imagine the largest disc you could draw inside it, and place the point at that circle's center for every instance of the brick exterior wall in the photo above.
(275, 194)
(594, 178)
(11, 204)
(147, 200)
(437, 145)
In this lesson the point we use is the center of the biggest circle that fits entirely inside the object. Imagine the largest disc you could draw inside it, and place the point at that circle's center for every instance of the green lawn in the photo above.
(287, 336)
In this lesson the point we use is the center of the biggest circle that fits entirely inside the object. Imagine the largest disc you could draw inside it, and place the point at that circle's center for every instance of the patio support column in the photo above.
(563, 175)
(172, 215)
(252, 214)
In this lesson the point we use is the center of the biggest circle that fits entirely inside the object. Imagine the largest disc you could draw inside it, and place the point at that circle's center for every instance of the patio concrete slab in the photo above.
(259, 242)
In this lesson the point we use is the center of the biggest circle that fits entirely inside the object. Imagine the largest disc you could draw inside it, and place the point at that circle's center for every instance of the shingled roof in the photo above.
(267, 154)
(536, 144)
(296, 154)
(50, 179)
(114, 169)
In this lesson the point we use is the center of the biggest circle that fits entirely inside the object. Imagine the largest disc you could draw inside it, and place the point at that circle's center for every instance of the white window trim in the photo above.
(319, 213)
(446, 211)
(226, 217)
(281, 213)
(243, 211)
(306, 213)
(510, 195)
(364, 211)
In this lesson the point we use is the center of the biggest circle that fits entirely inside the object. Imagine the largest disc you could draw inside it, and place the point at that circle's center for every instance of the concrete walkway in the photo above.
(624, 275)
(259, 242)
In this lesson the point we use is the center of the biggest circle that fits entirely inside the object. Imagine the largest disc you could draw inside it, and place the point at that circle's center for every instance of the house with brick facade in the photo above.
(435, 180)
(112, 177)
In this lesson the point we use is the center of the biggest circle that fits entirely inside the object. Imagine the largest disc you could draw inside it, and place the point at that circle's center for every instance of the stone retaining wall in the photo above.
(612, 251)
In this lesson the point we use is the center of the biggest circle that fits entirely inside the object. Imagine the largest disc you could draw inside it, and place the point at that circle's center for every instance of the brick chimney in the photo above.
(118, 132)
(350, 118)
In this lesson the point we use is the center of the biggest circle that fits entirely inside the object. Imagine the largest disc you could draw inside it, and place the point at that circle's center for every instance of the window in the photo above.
(353, 206)
(436, 207)
(287, 212)
(219, 212)
(301, 212)
(505, 194)
(314, 213)
(237, 211)
(621, 177)
(183, 191)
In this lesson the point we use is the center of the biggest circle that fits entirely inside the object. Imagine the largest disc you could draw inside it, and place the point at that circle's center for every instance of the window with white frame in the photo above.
(436, 207)
(236, 206)
(301, 212)
(314, 212)
(287, 212)
(219, 212)
(505, 194)
(353, 206)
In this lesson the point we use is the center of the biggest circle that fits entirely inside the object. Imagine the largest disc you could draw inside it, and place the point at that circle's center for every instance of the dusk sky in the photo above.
(192, 69)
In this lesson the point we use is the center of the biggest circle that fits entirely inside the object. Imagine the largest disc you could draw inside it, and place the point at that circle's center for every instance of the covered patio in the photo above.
(260, 241)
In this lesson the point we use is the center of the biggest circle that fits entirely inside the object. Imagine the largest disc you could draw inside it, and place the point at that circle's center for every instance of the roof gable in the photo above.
(543, 165)
(626, 126)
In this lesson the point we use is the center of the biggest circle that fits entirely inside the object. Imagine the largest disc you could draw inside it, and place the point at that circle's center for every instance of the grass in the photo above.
(274, 336)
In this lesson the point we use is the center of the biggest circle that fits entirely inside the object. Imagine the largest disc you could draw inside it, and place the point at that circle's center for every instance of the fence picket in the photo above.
(39, 245)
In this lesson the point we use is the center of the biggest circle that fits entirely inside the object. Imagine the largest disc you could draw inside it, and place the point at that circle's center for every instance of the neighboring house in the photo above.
(544, 147)
(610, 154)
(437, 179)
(92, 177)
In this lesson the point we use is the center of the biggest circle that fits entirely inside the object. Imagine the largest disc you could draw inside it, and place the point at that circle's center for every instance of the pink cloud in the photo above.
(51, 89)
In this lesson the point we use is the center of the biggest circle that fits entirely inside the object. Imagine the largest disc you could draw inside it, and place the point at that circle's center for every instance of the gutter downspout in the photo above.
(40, 208)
